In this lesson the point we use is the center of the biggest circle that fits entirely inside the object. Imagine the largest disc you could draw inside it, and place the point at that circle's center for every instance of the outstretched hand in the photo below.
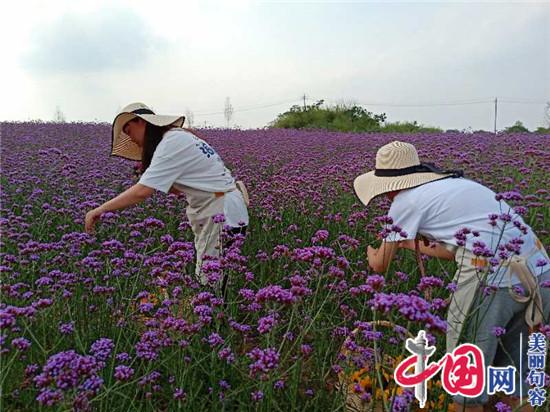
(91, 219)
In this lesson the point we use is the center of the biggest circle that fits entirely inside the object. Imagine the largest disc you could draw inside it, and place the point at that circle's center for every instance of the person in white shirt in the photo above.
(175, 160)
(493, 247)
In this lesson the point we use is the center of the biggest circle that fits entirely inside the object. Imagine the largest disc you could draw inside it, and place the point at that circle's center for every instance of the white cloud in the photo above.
(107, 39)
(193, 54)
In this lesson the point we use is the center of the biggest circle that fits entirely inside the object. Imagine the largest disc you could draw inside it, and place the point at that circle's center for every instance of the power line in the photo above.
(450, 103)
(496, 109)
(267, 105)
(248, 108)
(427, 104)
(523, 101)
(303, 98)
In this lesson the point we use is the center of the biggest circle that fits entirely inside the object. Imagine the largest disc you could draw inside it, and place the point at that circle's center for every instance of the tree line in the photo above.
(354, 118)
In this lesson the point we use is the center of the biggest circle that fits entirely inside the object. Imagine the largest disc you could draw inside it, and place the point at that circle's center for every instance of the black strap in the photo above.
(143, 111)
(421, 168)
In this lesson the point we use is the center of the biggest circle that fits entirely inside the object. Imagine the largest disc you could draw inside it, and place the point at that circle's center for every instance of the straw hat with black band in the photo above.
(397, 168)
(122, 145)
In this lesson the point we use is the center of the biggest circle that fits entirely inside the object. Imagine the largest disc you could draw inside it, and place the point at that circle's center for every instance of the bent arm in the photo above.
(379, 259)
(135, 194)
(433, 249)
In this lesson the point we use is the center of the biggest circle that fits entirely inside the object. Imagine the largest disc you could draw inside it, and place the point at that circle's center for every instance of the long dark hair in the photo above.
(153, 136)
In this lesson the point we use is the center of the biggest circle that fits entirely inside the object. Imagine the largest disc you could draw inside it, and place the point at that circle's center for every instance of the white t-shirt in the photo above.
(437, 210)
(183, 159)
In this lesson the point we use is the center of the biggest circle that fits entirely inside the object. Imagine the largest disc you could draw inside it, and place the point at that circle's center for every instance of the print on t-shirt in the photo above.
(206, 149)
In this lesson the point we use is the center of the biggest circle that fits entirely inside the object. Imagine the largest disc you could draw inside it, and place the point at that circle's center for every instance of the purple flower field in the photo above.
(116, 321)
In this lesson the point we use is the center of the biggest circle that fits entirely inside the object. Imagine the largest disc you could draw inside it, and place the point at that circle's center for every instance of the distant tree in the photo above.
(518, 127)
(58, 116)
(547, 114)
(228, 111)
(340, 117)
(409, 127)
(189, 117)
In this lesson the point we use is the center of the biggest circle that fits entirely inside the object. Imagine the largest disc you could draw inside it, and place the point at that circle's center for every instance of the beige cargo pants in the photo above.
(471, 271)
(202, 208)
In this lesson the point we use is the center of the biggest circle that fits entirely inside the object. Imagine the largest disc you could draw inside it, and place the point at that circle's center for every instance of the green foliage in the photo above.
(342, 117)
(543, 130)
(518, 127)
(409, 127)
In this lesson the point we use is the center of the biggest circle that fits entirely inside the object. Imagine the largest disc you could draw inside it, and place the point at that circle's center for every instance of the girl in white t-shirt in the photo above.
(175, 160)
(460, 215)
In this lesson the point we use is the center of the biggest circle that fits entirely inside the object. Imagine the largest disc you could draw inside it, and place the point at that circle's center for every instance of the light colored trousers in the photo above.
(468, 277)
(207, 243)
(203, 207)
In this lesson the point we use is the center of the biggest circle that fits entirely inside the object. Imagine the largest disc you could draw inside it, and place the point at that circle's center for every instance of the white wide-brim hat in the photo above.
(397, 168)
(122, 145)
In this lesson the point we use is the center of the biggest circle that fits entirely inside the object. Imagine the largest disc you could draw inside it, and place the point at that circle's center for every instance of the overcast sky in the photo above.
(411, 60)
